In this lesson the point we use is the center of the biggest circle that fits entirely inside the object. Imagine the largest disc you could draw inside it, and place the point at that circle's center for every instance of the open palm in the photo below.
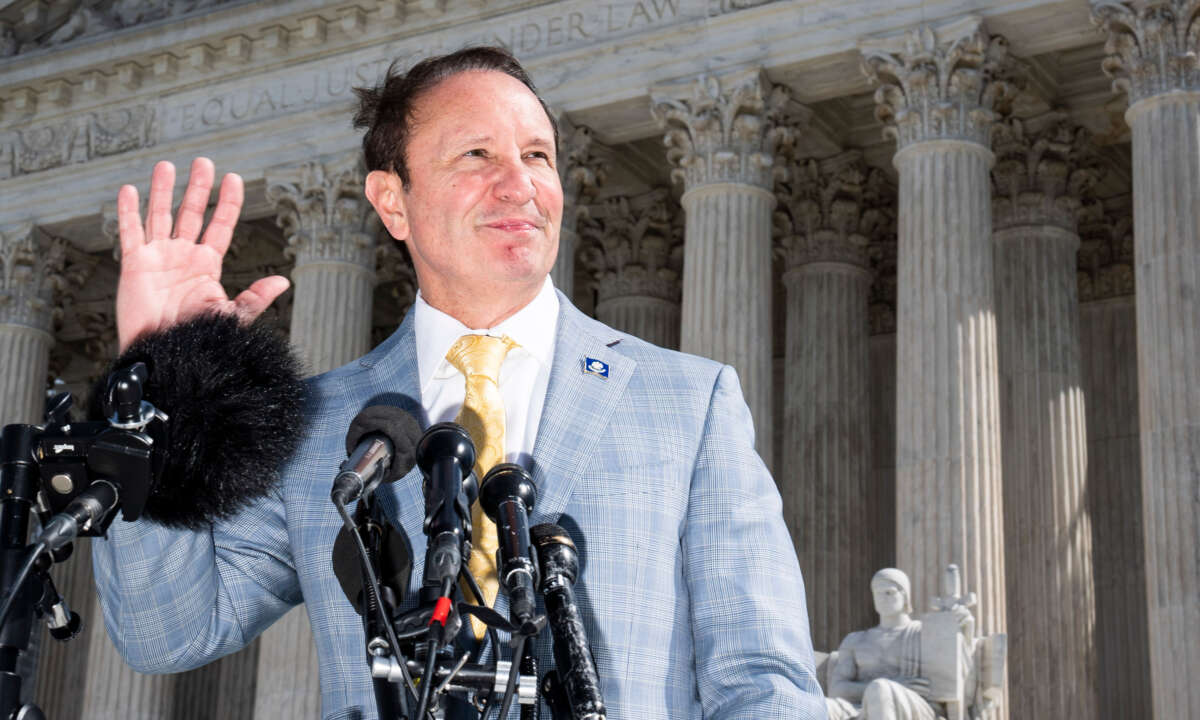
(169, 272)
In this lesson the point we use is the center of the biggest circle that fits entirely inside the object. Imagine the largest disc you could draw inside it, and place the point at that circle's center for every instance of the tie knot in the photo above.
(480, 355)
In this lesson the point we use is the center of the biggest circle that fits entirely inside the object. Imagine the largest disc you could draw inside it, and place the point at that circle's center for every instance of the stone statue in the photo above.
(876, 675)
(927, 669)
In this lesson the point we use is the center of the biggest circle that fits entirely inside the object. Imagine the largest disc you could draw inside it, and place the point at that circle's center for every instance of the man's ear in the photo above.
(386, 193)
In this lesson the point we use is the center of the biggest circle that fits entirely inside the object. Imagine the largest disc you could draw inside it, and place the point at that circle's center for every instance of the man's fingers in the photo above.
(129, 220)
(225, 217)
(251, 302)
(195, 200)
(158, 214)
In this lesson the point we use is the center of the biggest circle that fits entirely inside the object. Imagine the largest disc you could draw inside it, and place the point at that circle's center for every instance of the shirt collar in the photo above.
(533, 327)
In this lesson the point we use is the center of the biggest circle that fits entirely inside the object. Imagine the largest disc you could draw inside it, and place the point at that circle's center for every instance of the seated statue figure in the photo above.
(876, 674)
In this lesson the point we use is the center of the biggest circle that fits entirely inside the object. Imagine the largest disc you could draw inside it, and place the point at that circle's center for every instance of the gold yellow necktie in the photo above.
(478, 358)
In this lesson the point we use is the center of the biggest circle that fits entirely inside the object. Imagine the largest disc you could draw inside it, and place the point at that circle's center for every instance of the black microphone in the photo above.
(235, 399)
(388, 548)
(507, 495)
(446, 456)
(559, 565)
(86, 509)
(381, 445)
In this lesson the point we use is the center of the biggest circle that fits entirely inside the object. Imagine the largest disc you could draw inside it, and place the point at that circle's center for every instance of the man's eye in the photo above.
(477, 152)
(540, 155)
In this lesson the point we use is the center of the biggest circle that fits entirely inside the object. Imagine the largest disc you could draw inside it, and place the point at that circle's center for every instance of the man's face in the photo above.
(483, 209)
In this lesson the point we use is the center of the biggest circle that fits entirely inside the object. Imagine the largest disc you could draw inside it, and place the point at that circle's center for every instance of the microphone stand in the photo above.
(66, 468)
(19, 480)
(377, 609)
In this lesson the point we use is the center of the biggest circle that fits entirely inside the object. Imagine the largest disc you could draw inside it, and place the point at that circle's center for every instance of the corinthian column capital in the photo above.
(830, 210)
(1105, 259)
(722, 129)
(1044, 168)
(943, 83)
(31, 273)
(1152, 45)
(323, 212)
(633, 246)
(583, 165)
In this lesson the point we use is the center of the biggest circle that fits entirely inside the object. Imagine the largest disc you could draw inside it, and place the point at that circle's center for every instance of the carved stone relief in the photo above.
(1105, 256)
(51, 24)
(723, 129)
(949, 82)
(322, 210)
(633, 246)
(1044, 167)
(77, 140)
(1152, 47)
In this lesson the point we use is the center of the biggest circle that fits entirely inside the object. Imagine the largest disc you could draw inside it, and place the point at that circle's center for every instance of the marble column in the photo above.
(721, 136)
(936, 98)
(31, 265)
(826, 217)
(582, 168)
(31, 272)
(1043, 165)
(1108, 349)
(634, 250)
(1154, 56)
(331, 233)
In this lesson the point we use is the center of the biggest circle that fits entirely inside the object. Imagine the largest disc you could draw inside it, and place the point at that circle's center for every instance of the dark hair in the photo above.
(386, 111)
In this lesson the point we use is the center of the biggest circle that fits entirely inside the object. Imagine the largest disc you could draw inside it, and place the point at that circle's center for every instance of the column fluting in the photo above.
(721, 134)
(939, 92)
(331, 231)
(829, 214)
(1043, 164)
(1154, 55)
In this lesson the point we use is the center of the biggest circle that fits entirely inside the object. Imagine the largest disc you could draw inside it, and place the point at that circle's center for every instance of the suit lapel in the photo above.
(389, 377)
(577, 410)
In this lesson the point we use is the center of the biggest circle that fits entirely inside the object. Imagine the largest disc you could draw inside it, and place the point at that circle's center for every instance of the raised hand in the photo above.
(169, 274)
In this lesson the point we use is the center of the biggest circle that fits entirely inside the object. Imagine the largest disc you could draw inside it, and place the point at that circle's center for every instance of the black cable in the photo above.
(473, 586)
(373, 582)
(436, 637)
(21, 577)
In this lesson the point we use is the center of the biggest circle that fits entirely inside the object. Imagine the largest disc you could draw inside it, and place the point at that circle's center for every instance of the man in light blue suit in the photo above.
(690, 587)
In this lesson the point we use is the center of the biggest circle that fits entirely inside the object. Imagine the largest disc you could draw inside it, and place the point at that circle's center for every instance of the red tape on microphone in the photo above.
(441, 611)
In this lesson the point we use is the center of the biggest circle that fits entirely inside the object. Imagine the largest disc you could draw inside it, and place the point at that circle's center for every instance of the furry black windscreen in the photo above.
(235, 400)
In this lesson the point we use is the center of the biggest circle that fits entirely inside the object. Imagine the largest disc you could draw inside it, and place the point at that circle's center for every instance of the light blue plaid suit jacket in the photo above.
(693, 597)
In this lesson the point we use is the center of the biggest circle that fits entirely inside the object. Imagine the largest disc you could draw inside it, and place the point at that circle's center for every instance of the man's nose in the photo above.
(515, 183)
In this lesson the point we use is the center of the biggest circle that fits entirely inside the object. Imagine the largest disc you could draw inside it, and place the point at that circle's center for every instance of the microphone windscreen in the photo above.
(397, 425)
(394, 565)
(234, 398)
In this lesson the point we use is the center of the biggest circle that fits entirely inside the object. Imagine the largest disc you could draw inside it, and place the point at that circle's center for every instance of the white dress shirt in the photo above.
(524, 375)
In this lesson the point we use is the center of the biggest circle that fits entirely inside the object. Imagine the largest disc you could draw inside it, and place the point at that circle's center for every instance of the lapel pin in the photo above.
(592, 366)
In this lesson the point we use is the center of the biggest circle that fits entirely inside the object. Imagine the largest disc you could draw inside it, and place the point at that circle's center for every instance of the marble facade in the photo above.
(950, 246)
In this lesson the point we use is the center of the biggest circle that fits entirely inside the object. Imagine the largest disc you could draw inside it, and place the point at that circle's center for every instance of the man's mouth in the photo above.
(514, 225)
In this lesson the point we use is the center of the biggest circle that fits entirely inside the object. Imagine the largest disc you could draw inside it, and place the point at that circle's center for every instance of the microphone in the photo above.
(389, 548)
(446, 456)
(559, 564)
(380, 444)
(507, 496)
(235, 401)
(86, 509)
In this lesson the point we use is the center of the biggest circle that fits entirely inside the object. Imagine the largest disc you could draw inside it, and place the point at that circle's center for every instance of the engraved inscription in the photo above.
(540, 33)
(283, 94)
